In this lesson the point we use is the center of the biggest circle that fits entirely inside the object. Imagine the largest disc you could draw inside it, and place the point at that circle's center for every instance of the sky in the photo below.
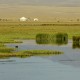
(68, 3)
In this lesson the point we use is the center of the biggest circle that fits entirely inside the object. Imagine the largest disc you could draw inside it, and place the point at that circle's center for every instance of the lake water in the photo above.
(58, 67)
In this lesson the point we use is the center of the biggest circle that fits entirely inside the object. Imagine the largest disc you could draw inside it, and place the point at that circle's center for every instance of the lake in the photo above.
(57, 67)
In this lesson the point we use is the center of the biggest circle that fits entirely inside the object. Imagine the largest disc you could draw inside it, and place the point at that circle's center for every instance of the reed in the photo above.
(42, 52)
(61, 38)
(6, 50)
(42, 38)
(2, 41)
(58, 38)
(76, 41)
(2, 45)
(18, 54)
(29, 53)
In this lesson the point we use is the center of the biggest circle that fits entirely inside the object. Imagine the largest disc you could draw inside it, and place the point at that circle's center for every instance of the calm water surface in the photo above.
(57, 67)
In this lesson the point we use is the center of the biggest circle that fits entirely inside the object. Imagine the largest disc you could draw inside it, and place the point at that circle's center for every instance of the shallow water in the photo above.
(57, 67)
(37, 68)
(70, 54)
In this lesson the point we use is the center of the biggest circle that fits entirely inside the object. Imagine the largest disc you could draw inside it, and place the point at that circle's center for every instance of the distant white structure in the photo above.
(23, 19)
(36, 19)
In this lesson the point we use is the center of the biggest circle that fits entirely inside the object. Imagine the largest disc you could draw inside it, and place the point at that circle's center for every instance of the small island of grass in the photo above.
(29, 53)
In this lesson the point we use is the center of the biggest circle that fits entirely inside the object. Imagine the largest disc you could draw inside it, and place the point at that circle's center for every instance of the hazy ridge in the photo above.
(42, 2)
(45, 10)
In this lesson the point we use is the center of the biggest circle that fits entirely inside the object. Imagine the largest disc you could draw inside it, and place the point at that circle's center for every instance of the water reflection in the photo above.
(76, 45)
(76, 42)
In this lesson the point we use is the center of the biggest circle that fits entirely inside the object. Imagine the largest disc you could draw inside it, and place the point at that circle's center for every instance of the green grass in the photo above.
(76, 42)
(58, 38)
(9, 40)
(42, 52)
(6, 50)
(2, 45)
(29, 53)
(9, 31)
(43, 38)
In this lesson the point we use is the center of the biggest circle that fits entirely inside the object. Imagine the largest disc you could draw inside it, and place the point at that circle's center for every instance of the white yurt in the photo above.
(23, 19)
(36, 19)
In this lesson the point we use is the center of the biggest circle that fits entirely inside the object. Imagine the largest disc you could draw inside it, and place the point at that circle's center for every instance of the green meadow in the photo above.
(14, 32)
(11, 31)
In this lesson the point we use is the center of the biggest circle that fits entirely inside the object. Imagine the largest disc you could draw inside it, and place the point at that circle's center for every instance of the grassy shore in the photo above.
(42, 52)
(9, 31)
(30, 53)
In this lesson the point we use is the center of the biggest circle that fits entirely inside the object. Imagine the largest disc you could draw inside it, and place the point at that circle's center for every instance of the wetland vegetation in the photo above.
(58, 38)
(76, 41)
(29, 53)
(43, 33)
(9, 31)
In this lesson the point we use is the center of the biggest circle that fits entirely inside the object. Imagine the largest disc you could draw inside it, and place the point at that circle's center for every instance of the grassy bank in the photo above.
(6, 50)
(10, 31)
(42, 52)
(29, 53)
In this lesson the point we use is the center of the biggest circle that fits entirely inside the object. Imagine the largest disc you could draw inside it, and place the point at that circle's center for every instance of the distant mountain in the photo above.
(42, 2)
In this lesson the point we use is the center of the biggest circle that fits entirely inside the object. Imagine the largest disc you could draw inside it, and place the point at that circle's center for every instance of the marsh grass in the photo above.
(6, 50)
(4, 40)
(2, 45)
(42, 38)
(76, 41)
(61, 38)
(76, 45)
(42, 52)
(29, 53)
(58, 38)
(9, 31)
(8, 55)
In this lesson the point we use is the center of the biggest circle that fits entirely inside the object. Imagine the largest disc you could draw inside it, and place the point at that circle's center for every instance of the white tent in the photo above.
(35, 19)
(23, 19)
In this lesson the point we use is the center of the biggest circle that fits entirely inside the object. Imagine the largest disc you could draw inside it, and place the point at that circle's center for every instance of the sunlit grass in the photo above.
(29, 53)
(42, 52)
(6, 50)
(58, 38)
(11, 31)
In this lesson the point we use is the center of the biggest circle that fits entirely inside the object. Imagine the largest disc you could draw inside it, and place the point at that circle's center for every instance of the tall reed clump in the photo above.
(43, 38)
(59, 38)
(52, 39)
(76, 41)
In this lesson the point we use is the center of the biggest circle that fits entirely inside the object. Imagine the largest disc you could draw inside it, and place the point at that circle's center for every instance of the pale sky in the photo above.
(72, 3)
